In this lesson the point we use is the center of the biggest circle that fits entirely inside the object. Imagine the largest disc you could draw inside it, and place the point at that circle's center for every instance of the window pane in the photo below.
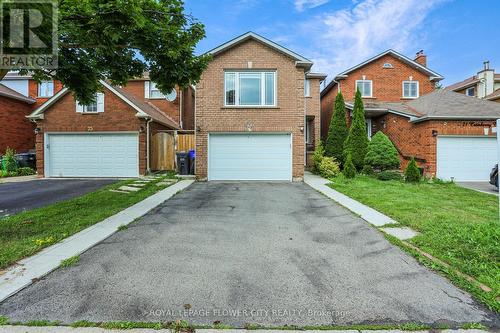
(406, 89)
(359, 86)
(230, 85)
(368, 88)
(154, 92)
(307, 88)
(413, 89)
(250, 89)
(269, 88)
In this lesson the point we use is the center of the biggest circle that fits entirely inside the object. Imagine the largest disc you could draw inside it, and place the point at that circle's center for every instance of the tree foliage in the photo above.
(412, 173)
(337, 131)
(349, 168)
(116, 40)
(356, 143)
(318, 155)
(381, 153)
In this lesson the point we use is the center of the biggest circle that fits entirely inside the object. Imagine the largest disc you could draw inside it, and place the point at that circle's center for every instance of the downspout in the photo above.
(148, 166)
(181, 106)
(305, 121)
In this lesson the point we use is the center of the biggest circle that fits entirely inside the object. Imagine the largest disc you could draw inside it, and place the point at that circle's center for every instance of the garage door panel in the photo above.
(466, 158)
(250, 157)
(93, 155)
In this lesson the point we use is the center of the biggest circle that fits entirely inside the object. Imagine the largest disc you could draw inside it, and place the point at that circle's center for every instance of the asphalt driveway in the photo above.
(16, 197)
(266, 253)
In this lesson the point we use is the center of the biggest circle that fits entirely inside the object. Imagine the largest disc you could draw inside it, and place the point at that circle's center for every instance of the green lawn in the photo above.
(457, 225)
(26, 233)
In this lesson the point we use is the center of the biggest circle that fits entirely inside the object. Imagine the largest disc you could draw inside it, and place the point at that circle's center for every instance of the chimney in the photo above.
(486, 65)
(421, 58)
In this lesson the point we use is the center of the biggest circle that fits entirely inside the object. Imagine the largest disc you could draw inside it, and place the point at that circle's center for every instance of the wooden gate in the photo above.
(163, 152)
(165, 145)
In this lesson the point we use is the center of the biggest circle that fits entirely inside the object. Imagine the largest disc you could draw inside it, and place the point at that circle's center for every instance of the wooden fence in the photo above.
(164, 146)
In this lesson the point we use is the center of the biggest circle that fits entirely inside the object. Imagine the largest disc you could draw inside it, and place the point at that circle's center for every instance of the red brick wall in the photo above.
(287, 117)
(117, 116)
(417, 140)
(33, 92)
(188, 96)
(16, 131)
(136, 88)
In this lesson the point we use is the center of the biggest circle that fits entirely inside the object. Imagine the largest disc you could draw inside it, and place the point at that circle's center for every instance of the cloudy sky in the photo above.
(456, 35)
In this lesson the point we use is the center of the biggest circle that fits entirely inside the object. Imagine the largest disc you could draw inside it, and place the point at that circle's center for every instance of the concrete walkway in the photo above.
(33, 268)
(367, 213)
(61, 329)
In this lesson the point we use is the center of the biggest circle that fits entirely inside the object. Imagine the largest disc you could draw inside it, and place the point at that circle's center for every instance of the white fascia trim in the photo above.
(320, 76)
(125, 99)
(433, 74)
(416, 120)
(263, 40)
(38, 113)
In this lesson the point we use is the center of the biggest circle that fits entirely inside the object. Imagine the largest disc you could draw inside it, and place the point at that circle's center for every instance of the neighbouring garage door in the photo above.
(249, 157)
(466, 158)
(92, 155)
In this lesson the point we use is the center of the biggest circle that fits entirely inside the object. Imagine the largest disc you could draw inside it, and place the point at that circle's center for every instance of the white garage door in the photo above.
(92, 155)
(466, 158)
(249, 157)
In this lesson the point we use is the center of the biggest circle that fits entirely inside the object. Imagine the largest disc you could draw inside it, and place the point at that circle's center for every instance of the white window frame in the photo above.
(362, 92)
(152, 88)
(99, 105)
(403, 89)
(473, 92)
(262, 89)
(307, 88)
(44, 92)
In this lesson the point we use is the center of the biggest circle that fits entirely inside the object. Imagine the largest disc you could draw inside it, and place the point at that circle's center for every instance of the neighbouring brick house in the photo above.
(485, 84)
(111, 137)
(19, 96)
(450, 135)
(257, 111)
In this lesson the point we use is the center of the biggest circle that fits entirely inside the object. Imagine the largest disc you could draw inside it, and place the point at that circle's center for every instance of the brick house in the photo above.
(485, 84)
(19, 96)
(450, 135)
(111, 137)
(257, 112)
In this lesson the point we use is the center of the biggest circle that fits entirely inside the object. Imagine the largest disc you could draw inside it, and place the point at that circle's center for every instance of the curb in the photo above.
(30, 269)
(65, 329)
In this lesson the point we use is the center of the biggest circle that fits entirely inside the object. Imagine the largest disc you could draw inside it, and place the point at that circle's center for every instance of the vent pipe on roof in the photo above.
(486, 65)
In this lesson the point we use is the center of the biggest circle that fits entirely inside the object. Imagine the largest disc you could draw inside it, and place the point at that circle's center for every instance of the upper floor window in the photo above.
(250, 88)
(46, 89)
(410, 89)
(95, 107)
(364, 87)
(154, 92)
(470, 91)
(307, 88)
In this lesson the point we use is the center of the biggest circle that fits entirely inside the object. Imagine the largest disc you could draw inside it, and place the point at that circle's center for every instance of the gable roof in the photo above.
(493, 95)
(144, 109)
(445, 104)
(11, 93)
(463, 84)
(434, 76)
(300, 60)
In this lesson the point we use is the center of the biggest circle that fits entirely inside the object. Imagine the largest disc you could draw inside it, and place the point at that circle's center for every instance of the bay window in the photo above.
(249, 88)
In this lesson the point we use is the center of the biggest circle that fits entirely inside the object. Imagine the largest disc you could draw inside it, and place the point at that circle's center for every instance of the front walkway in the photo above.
(265, 253)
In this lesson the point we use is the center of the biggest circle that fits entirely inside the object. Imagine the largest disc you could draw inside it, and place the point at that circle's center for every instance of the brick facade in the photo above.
(387, 85)
(183, 106)
(287, 117)
(118, 116)
(419, 140)
(17, 132)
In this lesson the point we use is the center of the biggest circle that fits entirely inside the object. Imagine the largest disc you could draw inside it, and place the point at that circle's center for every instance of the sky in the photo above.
(456, 35)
